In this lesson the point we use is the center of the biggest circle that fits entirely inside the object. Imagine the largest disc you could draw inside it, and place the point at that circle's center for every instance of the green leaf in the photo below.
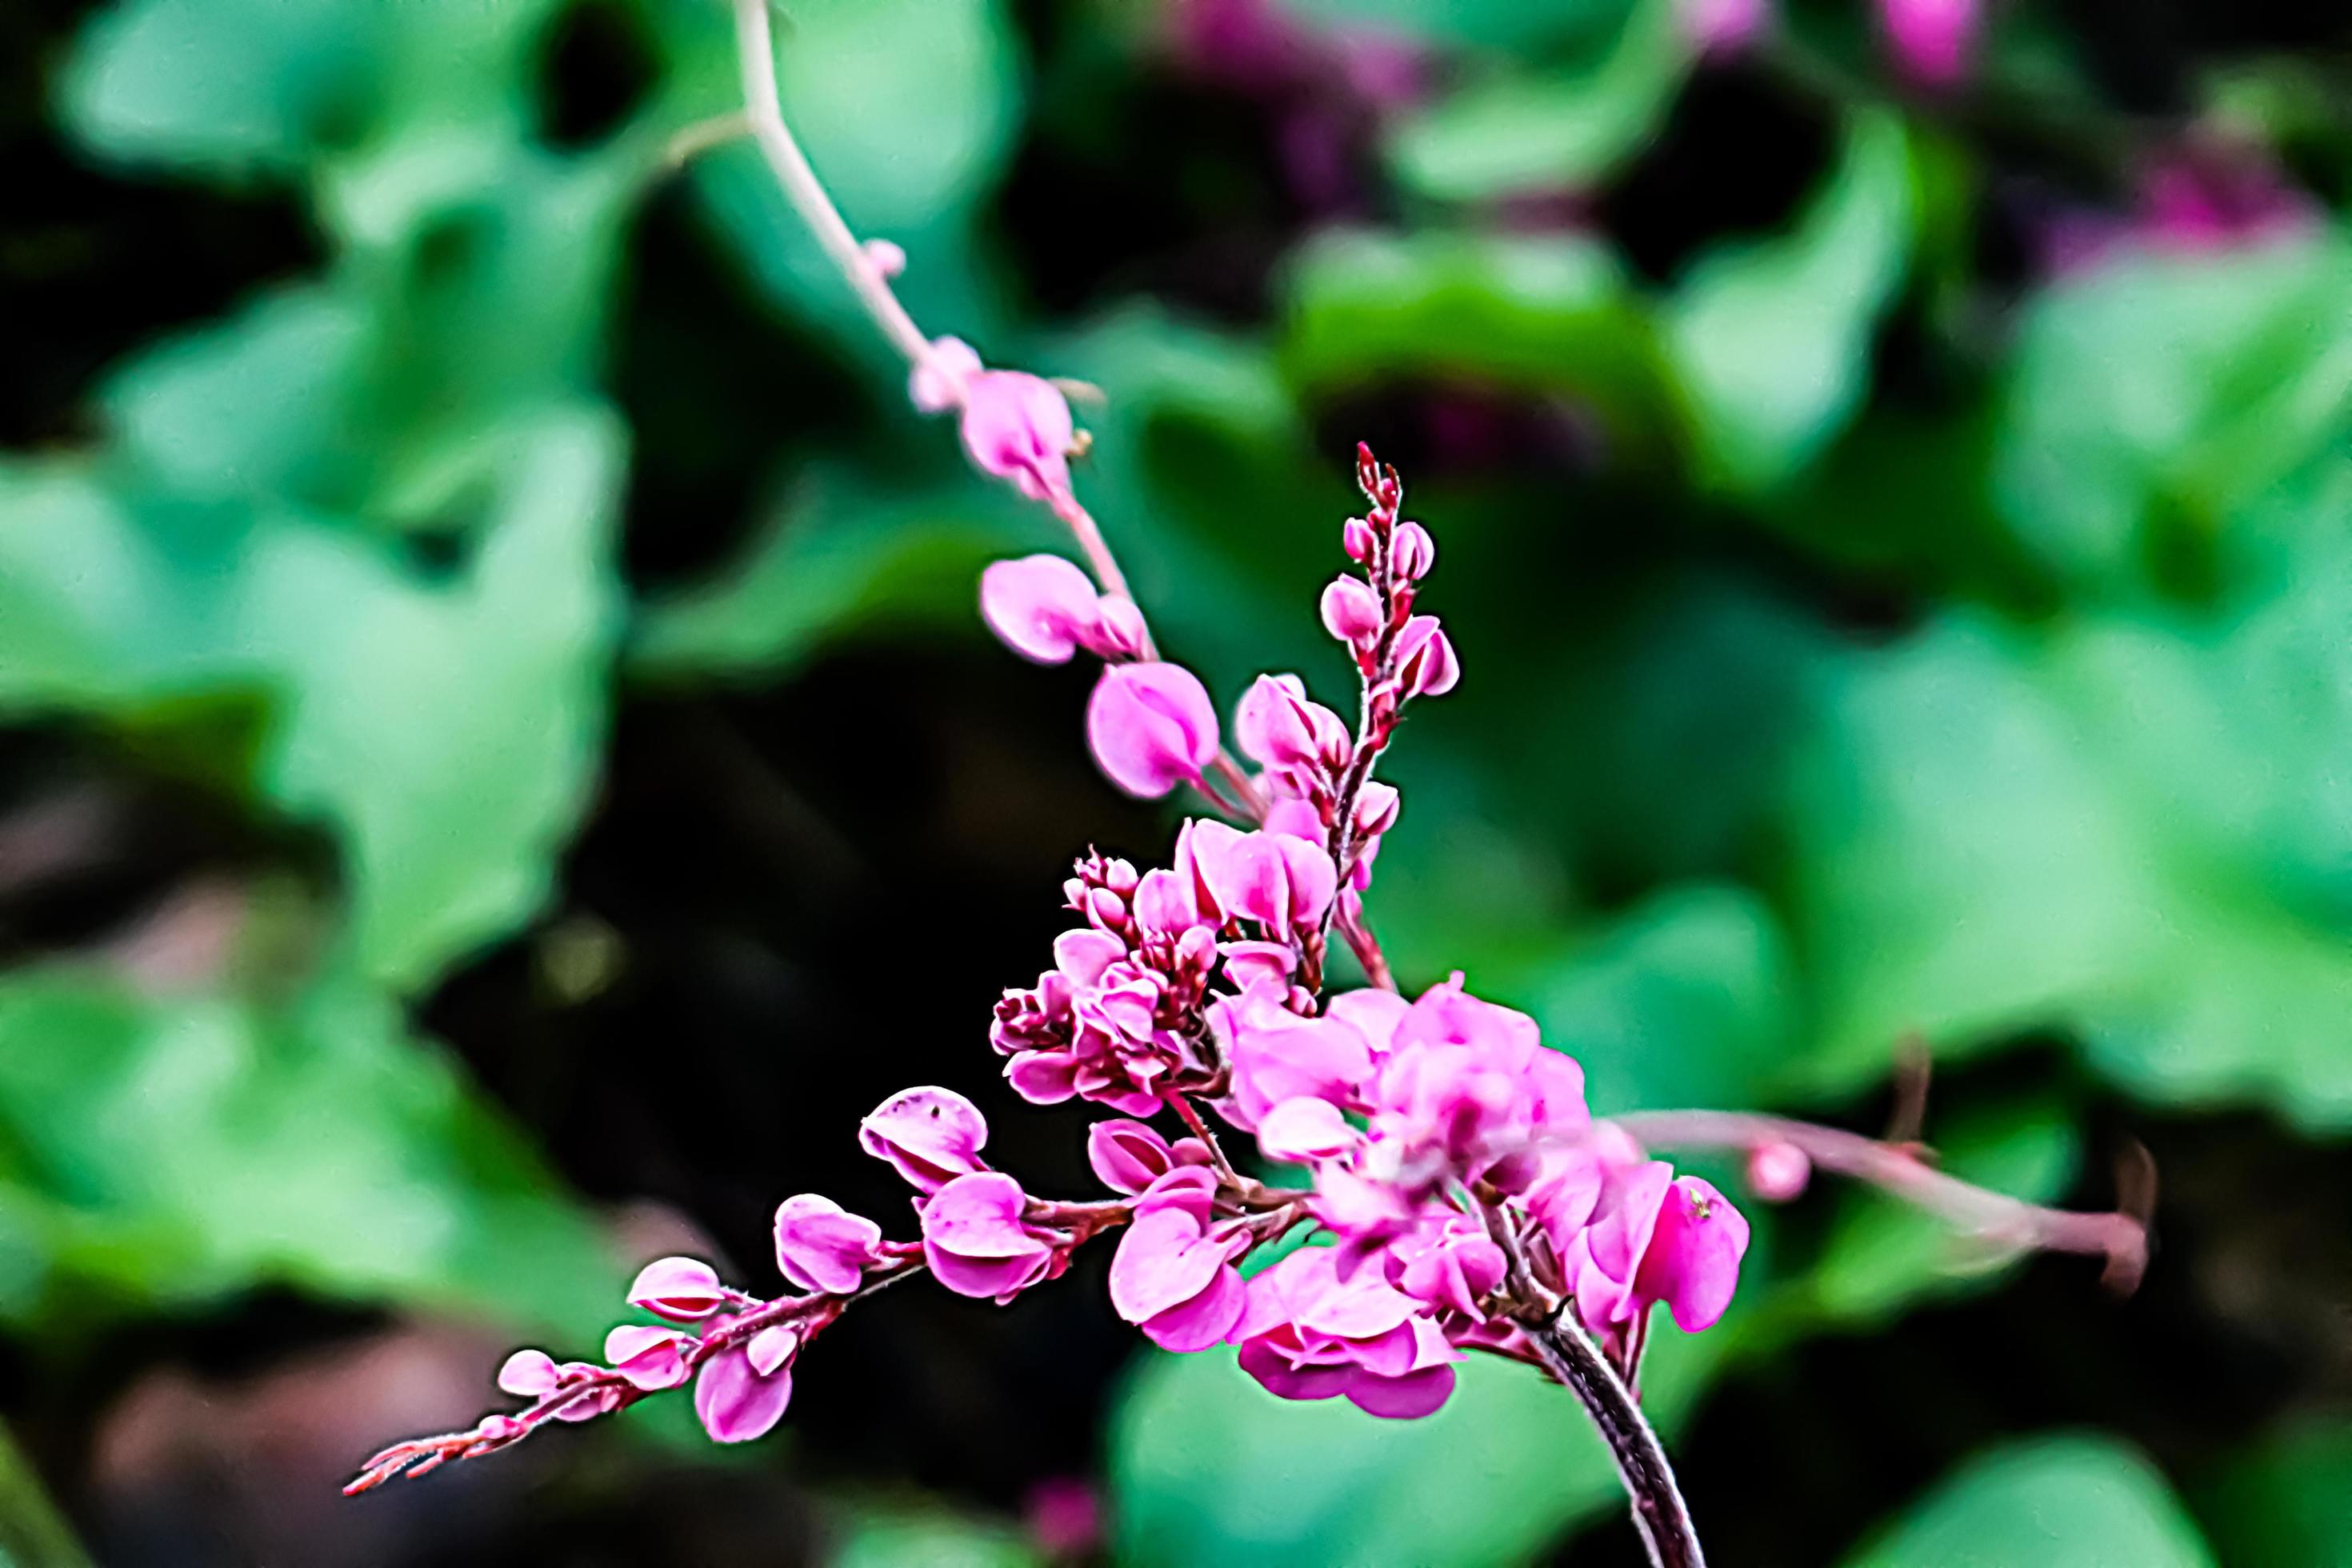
(447, 732)
(842, 559)
(2156, 394)
(236, 87)
(2281, 1503)
(162, 1152)
(1512, 25)
(1544, 314)
(1688, 1000)
(1208, 1467)
(2047, 1502)
(903, 1537)
(1562, 130)
(1772, 340)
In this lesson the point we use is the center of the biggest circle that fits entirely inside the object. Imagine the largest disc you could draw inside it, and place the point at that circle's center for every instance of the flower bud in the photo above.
(1357, 538)
(1042, 606)
(1777, 1172)
(930, 1136)
(1018, 427)
(938, 382)
(1151, 727)
(1426, 666)
(679, 1288)
(820, 1245)
(1351, 611)
(1412, 552)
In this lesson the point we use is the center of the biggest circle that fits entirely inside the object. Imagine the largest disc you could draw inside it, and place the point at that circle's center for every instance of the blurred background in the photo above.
(500, 767)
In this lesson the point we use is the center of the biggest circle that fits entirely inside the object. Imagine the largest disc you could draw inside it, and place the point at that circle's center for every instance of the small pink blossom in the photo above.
(1174, 1274)
(1274, 1054)
(1284, 883)
(1307, 1334)
(1044, 608)
(1777, 1171)
(1303, 1129)
(1451, 1263)
(1276, 724)
(938, 381)
(1425, 661)
(1129, 1156)
(1722, 27)
(1018, 427)
(742, 1393)
(682, 1290)
(820, 1245)
(930, 1136)
(886, 257)
(1411, 551)
(976, 1241)
(648, 1357)
(529, 1374)
(1151, 727)
(1934, 41)
(1693, 1260)
(1351, 611)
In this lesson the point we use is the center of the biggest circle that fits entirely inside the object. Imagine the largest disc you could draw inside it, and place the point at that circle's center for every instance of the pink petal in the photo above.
(735, 1403)
(1042, 606)
(1151, 727)
(679, 1288)
(930, 1136)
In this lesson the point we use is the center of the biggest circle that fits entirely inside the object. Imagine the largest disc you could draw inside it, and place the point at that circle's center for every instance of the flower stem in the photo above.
(1659, 1512)
(2120, 1236)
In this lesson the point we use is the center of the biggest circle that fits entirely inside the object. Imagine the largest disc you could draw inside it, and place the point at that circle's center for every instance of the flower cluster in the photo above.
(1458, 1194)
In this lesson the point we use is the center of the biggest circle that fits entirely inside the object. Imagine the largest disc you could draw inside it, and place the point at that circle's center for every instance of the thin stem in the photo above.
(1563, 1349)
(757, 49)
(1192, 1118)
(1659, 1512)
(2119, 1236)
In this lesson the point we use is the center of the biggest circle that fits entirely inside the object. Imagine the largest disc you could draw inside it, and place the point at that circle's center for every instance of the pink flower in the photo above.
(1935, 41)
(679, 1288)
(1451, 1263)
(1274, 1054)
(1173, 1275)
(1411, 551)
(1129, 1156)
(930, 1136)
(648, 1357)
(1351, 611)
(1044, 607)
(1304, 1129)
(1656, 1238)
(974, 1239)
(820, 1245)
(1018, 427)
(1693, 1261)
(742, 1393)
(1284, 883)
(1721, 26)
(1307, 1334)
(1426, 666)
(938, 382)
(529, 1373)
(1151, 727)
(1777, 1172)
(1278, 725)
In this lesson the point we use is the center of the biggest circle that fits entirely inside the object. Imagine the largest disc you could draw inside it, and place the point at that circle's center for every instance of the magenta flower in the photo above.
(1129, 1156)
(1426, 665)
(1934, 41)
(1453, 1264)
(820, 1245)
(1778, 1173)
(937, 384)
(1044, 608)
(648, 1357)
(1351, 611)
(1412, 551)
(930, 1136)
(1278, 725)
(974, 1239)
(1283, 882)
(1307, 1334)
(1174, 1274)
(742, 1393)
(1151, 727)
(1018, 427)
(682, 1290)
(1654, 1238)
(1304, 1129)
(1274, 1054)
(529, 1373)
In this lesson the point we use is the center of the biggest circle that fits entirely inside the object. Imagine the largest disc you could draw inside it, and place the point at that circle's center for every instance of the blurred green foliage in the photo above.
(350, 554)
